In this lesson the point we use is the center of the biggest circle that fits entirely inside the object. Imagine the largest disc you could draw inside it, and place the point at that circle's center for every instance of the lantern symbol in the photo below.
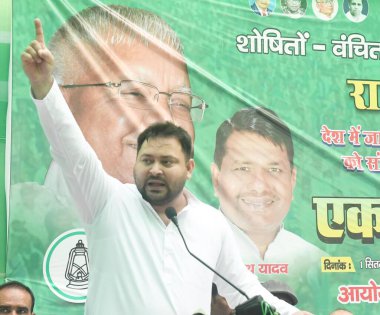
(77, 267)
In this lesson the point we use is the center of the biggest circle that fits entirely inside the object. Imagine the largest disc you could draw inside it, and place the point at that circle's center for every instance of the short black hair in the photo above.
(167, 130)
(259, 120)
(21, 286)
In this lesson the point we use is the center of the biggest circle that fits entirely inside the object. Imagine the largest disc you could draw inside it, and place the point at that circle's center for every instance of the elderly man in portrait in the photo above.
(294, 8)
(104, 55)
(325, 9)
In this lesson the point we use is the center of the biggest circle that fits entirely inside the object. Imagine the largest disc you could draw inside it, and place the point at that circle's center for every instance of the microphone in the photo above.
(255, 305)
(171, 214)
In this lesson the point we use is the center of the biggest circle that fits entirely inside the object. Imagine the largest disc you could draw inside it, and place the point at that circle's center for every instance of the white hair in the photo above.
(112, 25)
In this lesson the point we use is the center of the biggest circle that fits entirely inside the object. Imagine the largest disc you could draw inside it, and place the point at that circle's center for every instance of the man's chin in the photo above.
(154, 200)
(255, 210)
(158, 202)
(159, 197)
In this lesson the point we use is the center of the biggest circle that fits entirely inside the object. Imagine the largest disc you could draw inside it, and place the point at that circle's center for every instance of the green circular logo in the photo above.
(66, 266)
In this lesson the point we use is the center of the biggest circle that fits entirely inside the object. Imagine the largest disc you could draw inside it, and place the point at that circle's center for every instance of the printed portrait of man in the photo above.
(325, 9)
(294, 8)
(356, 10)
(116, 83)
(254, 177)
(262, 7)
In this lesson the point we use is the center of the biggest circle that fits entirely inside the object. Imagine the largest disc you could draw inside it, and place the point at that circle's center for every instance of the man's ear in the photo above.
(190, 168)
(215, 177)
(293, 178)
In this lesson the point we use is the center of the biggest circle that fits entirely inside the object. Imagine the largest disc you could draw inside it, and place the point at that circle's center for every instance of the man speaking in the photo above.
(139, 262)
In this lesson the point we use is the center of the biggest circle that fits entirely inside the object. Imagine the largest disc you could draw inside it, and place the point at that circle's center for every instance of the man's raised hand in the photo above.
(38, 63)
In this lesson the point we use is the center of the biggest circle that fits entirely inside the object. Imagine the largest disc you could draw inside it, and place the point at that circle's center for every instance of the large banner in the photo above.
(303, 205)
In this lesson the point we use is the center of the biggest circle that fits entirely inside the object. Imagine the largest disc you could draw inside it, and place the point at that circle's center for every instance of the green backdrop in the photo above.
(307, 91)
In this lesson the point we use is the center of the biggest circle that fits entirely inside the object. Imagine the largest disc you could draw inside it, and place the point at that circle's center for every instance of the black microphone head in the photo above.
(171, 214)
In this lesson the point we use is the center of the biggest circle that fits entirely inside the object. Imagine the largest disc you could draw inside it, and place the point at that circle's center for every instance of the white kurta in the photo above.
(137, 264)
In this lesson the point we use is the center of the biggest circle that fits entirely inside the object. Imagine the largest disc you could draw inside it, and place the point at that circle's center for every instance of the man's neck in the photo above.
(178, 204)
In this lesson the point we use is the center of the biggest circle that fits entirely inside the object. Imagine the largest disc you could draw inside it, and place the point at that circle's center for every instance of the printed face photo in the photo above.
(356, 10)
(293, 5)
(294, 8)
(255, 182)
(356, 7)
(325, 9)
(108, 121)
